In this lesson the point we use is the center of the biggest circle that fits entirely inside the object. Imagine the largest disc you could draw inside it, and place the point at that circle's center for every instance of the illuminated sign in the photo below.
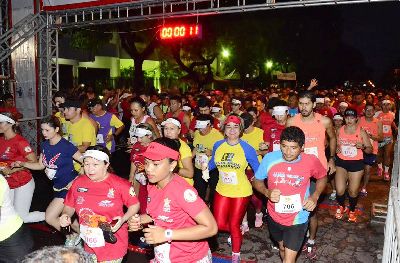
(180, 32)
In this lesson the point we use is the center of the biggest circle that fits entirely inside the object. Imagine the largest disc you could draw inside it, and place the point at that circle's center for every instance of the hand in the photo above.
(205, 174)
(64, 220)
(359, 145)
(274, 195)
(109, 138)
(6, 171)
(154, 235)
(310, 204)
(17, 164)
(313, 83)
(134, 223)
(118, 225)
(331, 166)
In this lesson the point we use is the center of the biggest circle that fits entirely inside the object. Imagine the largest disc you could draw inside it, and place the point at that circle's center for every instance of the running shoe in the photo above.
(235, 257)
(363, 192)
(333, 196)
(259, 220)
(386, 176)
(245, 228)
(72, 240)
(379, 171)
(311, 251)
(340, 212)
(352, 217)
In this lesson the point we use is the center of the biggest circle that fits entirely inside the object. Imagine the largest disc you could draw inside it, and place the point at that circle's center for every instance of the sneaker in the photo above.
(311, 251)
(72, 240)
(245, 228)
(333, 196)
(229, 240)
(235, 257)
(259, 220)
(386, 176)
(379, 171)
(363, 192)
(352, 217)
(340, 212)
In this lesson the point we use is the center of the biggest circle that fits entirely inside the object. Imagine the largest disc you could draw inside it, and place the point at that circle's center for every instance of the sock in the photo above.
(340, 199)
(353, 203)
(259, 214)
(380, 165)
(386, 169)
(235, 254)
(311, 241)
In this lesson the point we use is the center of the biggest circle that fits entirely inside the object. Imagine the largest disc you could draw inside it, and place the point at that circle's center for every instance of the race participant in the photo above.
(15, 239)
(373, 127)
(280, 113)
(293, 104)
(59, 99)
(56, 159)
(99, 198)
(109, 126)
(137, 176)
(181, 220)
(289, 198)
(9, 106)
(14, 147)
(172, 129)
(154, 110)
(233, 192)
(139, 115)
(358, 103)
(236, 106)
(386, 146)
(204, 139)
(337, 124)
(203, 105)
(352, 140)
(216, 112)
(255, 137)
(315, 127)
(177, 112)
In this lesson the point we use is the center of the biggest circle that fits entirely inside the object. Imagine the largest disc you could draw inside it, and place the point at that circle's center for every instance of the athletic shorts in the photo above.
(386, 141)
(369, 159)
(292, 236)
(60, 194)
(350, 165)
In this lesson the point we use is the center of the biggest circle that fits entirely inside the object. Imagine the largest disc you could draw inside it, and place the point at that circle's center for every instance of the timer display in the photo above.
(180, 32)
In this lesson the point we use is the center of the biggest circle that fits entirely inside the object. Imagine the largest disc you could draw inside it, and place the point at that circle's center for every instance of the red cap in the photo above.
(234, 119)
(156, 152)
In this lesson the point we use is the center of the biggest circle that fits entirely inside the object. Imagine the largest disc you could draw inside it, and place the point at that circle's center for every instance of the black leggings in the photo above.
(201, 185)
(17, 246)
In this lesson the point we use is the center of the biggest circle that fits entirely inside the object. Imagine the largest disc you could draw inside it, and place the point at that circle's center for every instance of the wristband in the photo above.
(168, 235)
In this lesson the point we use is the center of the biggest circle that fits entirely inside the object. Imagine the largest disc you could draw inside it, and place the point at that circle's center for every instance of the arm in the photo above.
(365, 145)
(187, 169)
(313, 83)
(132, 210)
(82, 148)
(311, 202)
(186, 120)
(31, 158)
(380, 133)
(65, 218)
(154, 126)
(33, 165)
(78, 156)
(272, 194)
(332, 144)
(159, 114)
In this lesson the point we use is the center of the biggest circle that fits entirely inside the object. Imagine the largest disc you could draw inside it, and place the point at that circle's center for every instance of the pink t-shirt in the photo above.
(174, 207)
(106, 198)
(387, 120)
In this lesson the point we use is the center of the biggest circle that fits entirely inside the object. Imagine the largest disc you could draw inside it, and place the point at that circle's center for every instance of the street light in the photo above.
(225, 53)
(269, 64)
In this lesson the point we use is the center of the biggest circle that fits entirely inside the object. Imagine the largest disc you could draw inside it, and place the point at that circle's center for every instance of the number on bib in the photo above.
(289, 204)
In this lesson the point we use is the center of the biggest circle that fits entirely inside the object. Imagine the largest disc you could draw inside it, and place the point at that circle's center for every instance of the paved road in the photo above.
(337, 241)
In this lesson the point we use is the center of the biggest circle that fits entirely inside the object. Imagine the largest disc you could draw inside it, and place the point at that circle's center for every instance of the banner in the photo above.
(55, 5)
(286, 76)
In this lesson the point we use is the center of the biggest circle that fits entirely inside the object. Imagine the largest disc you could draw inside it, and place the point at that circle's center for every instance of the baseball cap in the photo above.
(156, 151)
(71, 104)
(350, 112)
(94, 102)
(233, 118)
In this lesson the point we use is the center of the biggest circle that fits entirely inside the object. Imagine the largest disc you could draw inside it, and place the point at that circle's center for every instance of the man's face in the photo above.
(290, 150)
(71, 112)
(292, 101)
(204, 110)
(58, 101)
(306, 106)
(358, 99)
(369, 111)
(174, 105)
(96, 109)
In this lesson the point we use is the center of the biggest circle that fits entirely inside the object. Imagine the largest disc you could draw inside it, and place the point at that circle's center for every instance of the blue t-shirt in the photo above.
(59, 162)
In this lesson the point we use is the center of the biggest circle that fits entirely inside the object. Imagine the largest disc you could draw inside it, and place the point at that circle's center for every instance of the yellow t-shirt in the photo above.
(114, 122)
(254, 138)
(203, 143)
(64, 124)
(185, 152)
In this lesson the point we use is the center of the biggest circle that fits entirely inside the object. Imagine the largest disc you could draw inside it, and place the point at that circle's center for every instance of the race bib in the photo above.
(229, 177)
(161, 253)
(276, 147)
(93, 236)
(289, 204)
(99, 139)
(200, 160)
(141, 178)
(311, 150)
(50, 173)
(348, 151)
(386, 128)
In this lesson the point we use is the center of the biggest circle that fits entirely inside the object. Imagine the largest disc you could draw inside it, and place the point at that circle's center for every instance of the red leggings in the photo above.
(229, 213)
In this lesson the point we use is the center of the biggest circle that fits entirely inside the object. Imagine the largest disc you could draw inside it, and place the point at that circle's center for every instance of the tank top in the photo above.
(372, 128)
(347, 145)
(386, 119)
(315, 136)
(133, 128)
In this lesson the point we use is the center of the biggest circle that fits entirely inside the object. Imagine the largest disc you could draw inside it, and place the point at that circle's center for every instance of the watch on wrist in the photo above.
(168, 235)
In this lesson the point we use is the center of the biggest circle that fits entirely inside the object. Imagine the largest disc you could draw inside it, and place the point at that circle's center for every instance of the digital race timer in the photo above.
(180, 32)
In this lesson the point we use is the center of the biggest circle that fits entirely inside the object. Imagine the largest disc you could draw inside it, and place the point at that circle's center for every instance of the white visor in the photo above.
(171, 120)
(215, 109)
(4, 118)
(338, 117)
(386, 102)
(319, 100)
(201, 124)
(235, 101)
(140, 132)
(186, 108)
(96, 154)
(327, 99)
(343, 104)
(280, 110)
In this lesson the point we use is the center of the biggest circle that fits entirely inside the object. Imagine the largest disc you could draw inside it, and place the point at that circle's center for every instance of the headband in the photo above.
(338, 117)
(215, 109)
(172, 121)
(235, 101)
(202, 124)
(280, 110)
(386, 102)
(343, 104)
(186, 108)
(140, 132)
(319, 100)
(4, 118)
(96, 154)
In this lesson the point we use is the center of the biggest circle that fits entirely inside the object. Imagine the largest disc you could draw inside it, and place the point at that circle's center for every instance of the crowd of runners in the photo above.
(196, 161)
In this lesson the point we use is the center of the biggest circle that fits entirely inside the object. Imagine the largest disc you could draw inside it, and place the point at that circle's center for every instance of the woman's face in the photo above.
(350, 120)
(144, 140)
(94, 169)
(157, 171)
(137, 110)
(337, 123)
(48, 132)
(232, 131)
(171, 131)
(5, 126)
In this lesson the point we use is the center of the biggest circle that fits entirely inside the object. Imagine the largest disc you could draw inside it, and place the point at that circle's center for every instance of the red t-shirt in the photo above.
(106, 198)
(265, 121)
(273, 136)
(180, 117)
(174, 207)
(126, 109)
(16, 149)
(138, 160)
(325, 111)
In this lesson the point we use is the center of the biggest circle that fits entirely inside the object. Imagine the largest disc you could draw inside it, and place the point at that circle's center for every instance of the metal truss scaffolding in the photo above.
(156, 9)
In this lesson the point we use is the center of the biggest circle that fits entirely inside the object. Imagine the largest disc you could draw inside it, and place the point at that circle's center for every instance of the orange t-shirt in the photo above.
(387, 120)
(372, 128)
(347, 145)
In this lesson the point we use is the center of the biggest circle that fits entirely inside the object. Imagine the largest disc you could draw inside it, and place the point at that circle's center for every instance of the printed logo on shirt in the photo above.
(132, 191)
(288, 179)
(227, 161)
(189, 195)
(227, 157)
(111, 193)
(82, 190)
(167, 207)
(106, 203)
(28, 149)
(80, 200)
(165, 219)
(148, 199)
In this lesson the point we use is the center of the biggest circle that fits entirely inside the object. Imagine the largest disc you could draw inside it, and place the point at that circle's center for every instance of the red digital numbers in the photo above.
(180, 32)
